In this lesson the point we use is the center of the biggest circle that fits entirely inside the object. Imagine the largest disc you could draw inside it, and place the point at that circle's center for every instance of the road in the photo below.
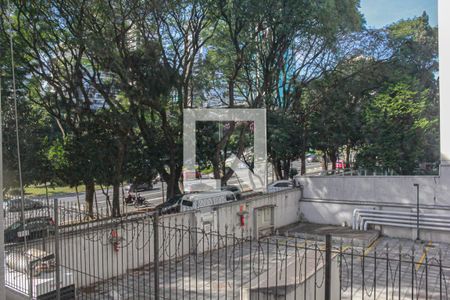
(311, 168)
(155, 196)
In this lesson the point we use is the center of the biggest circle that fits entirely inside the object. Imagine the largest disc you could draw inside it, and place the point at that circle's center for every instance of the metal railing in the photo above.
(146, 256)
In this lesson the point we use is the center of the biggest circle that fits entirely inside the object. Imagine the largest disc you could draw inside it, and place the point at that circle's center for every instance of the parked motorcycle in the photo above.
(130, 199)
(139, 201)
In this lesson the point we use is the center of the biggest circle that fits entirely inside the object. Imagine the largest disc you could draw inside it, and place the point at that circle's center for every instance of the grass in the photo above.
(39, 190)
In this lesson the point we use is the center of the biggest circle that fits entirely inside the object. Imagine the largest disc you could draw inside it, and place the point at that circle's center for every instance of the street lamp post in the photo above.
(417, 188)
(2, 223)
(162, 189)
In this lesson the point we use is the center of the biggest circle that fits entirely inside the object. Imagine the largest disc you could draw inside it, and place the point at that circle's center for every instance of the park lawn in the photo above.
(39, 190)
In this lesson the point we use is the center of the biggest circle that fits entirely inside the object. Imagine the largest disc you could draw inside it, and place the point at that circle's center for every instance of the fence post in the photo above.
(156, 253)
(30, 280)
(328, 267)
(58, 270)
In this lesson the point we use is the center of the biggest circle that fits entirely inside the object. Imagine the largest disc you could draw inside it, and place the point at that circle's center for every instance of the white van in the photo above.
(195, 201)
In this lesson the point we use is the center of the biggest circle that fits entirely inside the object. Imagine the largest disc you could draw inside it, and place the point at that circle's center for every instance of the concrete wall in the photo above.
(286, 211)
(332, 199)
(89, 252)
(92, 254)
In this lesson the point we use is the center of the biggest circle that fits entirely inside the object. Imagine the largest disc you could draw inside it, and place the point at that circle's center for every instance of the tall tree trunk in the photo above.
(96, 206)
(47, 198)
(303, 150)
(108, 202)
(217, 159)
(240, 152)
(324, 161)
(116, 200)
(171, 179)
(216, 169)
(277, 168)
(286, 168)
(347, 156)
(231, 93)
(78, 202)
(333, 158)
(89, 200)
(303, 161)
(121, 148)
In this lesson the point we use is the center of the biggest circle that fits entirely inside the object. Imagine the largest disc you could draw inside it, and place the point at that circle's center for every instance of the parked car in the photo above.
(280, 185)
(15, 205)
(181, 203)
(34, 228)
(234, 189)
(340, 164)
(311, 158)
(138, 187)
(171, 205)
(21, 261)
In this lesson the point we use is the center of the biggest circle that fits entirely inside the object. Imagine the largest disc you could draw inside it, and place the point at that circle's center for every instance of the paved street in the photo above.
(153, 197)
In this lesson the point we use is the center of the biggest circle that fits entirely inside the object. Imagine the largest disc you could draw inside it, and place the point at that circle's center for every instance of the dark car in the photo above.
(311, 158)
(139, 187)
(15, 205)
(34, 228)
(170, 206)
(234, 189)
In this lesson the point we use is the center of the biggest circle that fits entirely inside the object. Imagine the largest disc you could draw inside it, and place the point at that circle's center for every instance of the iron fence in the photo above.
(145, 256)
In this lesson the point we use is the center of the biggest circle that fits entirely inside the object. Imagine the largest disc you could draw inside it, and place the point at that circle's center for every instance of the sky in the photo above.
(379, 13)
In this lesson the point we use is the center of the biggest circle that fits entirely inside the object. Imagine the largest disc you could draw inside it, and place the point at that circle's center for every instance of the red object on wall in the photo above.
(242, 216)
(115, 240)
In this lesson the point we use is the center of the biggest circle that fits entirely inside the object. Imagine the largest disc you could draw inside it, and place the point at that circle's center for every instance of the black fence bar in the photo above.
(328, 267)
(144, 256)
(57, 261)
(156, 254)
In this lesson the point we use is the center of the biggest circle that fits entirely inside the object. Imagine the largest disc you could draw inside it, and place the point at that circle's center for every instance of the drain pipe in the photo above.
(445, 225)
(389, 217)
(417, 187)
(406, 225)
(406, 219)
(360, 215)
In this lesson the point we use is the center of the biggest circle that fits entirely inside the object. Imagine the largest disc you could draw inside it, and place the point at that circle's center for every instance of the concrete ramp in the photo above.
(319, 231)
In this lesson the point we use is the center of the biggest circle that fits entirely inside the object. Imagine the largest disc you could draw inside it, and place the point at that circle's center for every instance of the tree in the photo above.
(401, 129)
(214, 152)
(35, 134)
(267, 52)
(52, 59)
(283, 137)
(64, 81)
(36, 128)
(151, 60)
(295, 53)
(340, 97)
(395, 128)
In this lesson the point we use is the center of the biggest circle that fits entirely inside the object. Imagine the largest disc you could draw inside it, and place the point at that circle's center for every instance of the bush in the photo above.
(14, 192)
